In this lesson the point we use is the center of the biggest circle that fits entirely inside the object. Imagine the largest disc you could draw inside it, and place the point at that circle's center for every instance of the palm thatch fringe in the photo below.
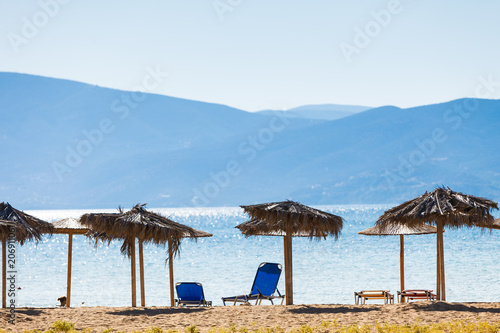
(99, 221)
(262, 228)
(453, 209)
(279, 218)
(494, 225)
(5, 227)
(397, 229)
(96, 237)
(102, 237)
(139, 223)
(27, 227)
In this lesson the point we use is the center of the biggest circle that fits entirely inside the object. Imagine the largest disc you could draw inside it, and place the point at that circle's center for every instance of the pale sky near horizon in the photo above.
(258, 54)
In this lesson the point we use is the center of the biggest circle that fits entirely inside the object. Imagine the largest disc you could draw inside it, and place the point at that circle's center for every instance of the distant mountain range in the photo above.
(73, 145)
(321, 111)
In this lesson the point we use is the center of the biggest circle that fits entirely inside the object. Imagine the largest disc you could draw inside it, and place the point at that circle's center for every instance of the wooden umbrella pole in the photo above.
(438, 261)
(141, 273)
(171, 272)
(288, 270)
(70, 260)
(132, 260)
(4, 273)
(443, 280)
(285, 255)
(438, 269)
(402, 262)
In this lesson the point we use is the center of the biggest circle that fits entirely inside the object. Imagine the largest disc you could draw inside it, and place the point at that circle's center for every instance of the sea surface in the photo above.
(324, 272)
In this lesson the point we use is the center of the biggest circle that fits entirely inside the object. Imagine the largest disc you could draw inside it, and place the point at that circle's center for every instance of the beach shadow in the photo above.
(29, 312)
(311, 309)
(156, 311)
(445, 306)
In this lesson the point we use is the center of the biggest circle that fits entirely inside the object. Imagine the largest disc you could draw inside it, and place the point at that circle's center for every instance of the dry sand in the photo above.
(130, 319)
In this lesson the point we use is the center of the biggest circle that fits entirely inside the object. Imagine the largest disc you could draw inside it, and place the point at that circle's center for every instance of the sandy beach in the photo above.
(288, 317)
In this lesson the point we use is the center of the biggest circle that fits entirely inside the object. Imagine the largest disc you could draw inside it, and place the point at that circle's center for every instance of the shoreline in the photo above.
(287, 317)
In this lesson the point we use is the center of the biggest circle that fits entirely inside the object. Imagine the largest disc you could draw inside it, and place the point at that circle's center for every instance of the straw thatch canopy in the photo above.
(289, 217)
(398, 229)
(69, 225)
(452, 209)
(5, 228)
(27, 227)
(142, 224)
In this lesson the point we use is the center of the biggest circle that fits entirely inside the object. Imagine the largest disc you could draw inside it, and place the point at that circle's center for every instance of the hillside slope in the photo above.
(73, 145)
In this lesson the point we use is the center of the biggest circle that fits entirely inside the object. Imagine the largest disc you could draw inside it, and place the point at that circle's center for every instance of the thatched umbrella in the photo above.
(289, 219)
(69, 226)
(444, 208)
(27, 228)
(402, 231)
(146, 227)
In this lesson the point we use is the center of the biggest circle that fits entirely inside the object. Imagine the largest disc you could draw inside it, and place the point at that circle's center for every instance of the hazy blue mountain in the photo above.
(390, 155)
(59, 156)
(321, 111)
(72, 145)
(384, 155)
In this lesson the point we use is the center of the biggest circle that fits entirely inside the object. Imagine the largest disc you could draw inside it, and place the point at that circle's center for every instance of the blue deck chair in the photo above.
(264, 287)
(190, 293)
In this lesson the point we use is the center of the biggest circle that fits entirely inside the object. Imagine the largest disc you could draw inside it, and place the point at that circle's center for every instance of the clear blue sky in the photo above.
(261, 54)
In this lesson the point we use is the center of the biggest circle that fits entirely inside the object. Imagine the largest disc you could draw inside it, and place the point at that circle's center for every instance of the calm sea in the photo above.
(326, 271)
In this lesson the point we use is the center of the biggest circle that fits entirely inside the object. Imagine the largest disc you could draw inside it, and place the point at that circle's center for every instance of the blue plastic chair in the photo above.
(264, 287)
(190, 293)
